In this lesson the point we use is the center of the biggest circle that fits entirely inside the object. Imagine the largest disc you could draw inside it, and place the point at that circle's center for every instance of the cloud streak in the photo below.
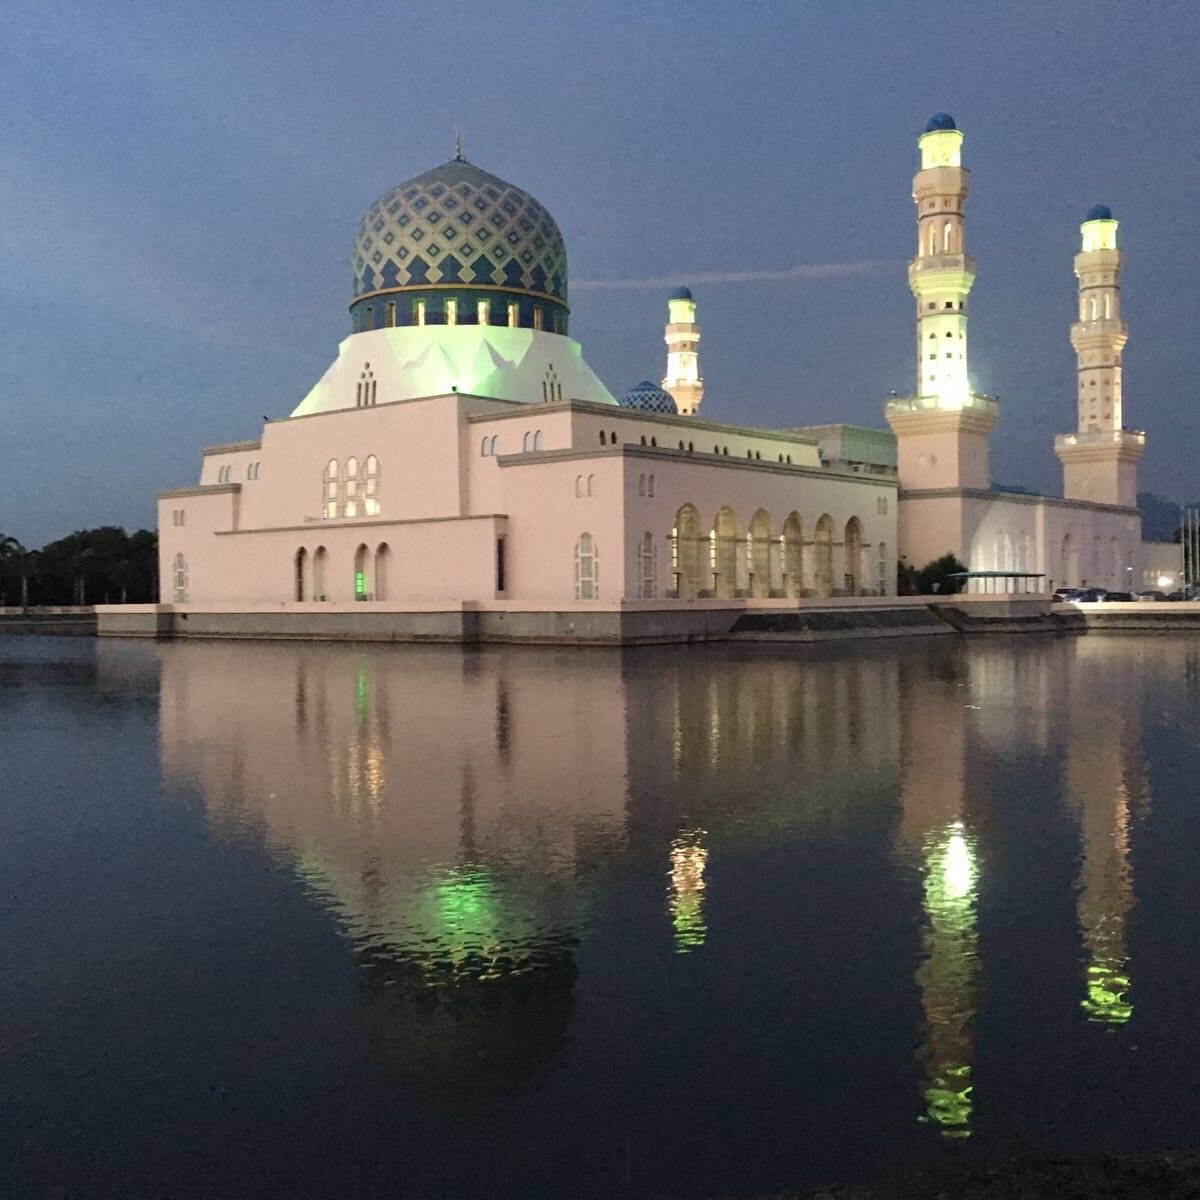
(842, 270)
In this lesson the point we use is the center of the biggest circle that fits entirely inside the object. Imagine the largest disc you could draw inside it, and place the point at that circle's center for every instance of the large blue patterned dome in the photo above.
(458, 234)
(649, 397)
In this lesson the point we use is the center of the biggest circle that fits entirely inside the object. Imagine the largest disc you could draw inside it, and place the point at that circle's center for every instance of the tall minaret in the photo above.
(682, 336)
(942, 429)
(1100, 459)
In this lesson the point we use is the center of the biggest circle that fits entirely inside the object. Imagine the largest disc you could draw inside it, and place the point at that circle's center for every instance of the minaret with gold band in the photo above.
(942, 429)
(1100, 458)
(682, 336)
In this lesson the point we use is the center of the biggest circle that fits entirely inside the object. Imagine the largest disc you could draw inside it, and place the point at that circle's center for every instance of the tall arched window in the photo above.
(383, 561)
(331, 489)
(320, 574)
(181, 579)
(793, 555)
(301, 571)
(947, 237)
(352, 485)
(641, 485)
(362, 574)
(852, 545)
(881, 573)
(587, 575)
(686, 558)
(527, 442)
(823, 556)
(371, 484)
(538, 442)
(650, 486)
(647, 567)
(485, 447)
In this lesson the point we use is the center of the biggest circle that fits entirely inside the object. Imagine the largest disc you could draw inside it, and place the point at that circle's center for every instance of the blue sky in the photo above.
(179, 187)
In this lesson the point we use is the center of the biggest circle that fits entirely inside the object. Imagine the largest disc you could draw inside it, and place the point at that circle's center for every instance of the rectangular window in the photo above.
(370, 317)
(513, 315)
(501, 572)
(360, 585)
(481, 312)
(451, 312)
(391, 314)
(537, 316)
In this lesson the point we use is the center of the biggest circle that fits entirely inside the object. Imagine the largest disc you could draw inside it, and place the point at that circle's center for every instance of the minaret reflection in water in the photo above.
(1105, 786)
(935, 830)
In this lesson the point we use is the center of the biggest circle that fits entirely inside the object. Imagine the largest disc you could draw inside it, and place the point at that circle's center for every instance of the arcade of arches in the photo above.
(724, 558)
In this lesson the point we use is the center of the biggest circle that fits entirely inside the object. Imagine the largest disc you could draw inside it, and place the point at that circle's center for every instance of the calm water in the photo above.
(324, 921)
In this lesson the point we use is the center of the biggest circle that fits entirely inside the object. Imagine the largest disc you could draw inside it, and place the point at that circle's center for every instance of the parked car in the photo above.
(1152, 594)
(1119, 596)
(1089, 596)
(1064, 595)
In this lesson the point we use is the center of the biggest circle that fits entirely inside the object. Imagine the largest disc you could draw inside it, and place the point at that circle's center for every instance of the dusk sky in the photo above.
(180, 185)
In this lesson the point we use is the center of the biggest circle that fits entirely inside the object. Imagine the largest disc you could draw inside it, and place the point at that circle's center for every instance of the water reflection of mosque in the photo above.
(454, 812)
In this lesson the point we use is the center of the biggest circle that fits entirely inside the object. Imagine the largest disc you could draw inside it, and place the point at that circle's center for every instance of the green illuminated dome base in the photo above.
(459, 246)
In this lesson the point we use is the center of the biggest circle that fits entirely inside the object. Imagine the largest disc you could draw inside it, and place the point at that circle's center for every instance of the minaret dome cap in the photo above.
(681, 293)
(940, 120)
(1099, 212)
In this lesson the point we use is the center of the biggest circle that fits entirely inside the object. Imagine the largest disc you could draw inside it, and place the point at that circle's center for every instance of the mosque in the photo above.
(460, 472)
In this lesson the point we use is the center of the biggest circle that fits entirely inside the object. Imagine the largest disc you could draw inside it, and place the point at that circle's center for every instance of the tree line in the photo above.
(91, 566)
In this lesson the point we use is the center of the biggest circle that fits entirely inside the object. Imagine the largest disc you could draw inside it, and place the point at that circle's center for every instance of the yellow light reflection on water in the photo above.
(948, 978)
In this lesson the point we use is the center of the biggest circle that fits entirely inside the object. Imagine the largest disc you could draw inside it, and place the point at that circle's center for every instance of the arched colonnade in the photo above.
(365, 577)
(725, 558)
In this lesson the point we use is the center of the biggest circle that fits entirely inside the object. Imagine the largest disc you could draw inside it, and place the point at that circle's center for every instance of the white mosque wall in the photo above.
(1067, 542)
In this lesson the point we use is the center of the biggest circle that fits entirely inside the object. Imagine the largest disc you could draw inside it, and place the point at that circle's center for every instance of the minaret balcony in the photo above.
(942, 262)
(1098, 439)
(985, 405)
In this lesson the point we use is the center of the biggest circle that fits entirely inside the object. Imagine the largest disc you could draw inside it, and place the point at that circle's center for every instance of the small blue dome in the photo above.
(1099, 212)
(680, 293)
(649, 397)
(940, 120)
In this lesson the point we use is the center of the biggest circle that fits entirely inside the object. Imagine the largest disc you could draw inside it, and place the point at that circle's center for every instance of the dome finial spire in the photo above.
(458, 154)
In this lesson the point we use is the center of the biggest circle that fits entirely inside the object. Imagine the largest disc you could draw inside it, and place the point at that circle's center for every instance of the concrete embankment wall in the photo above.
(80, 622)
(630, 623)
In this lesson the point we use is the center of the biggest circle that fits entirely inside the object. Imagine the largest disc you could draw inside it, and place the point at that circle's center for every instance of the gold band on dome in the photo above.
(458, 287)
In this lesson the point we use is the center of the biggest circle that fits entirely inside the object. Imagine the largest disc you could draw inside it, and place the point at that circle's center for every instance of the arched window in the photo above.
(383, 560)
(330, 508)
(650, 486)
(1107, 305)
(723, 553)
(603, 439)
(947, 237)
(587, 575)
(853, 553)
(181, 579)
(578, 485)
(1093, 307)
(686, 559)
(362, 577)
(352, 484)
(760, 560)
(371, 482)
(485, 447)
(647, 568)
(641, 485)
(320, 571)
(301, 571)
(538, 441)
(495, 444)
(591, 485)
(881, 572)
(793, 555)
